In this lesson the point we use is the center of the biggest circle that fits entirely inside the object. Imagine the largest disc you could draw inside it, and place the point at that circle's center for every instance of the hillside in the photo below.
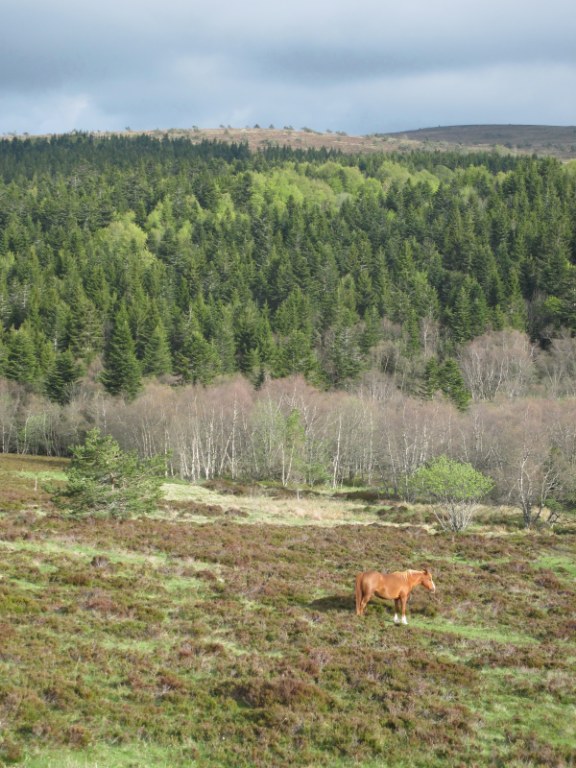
(140, 269)
(548, 141)
(200, 260)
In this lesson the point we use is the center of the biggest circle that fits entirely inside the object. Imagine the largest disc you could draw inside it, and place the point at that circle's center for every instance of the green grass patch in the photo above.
(44, 475)
(131, 755)
(562, 565)
(528, 714)
(476, 632)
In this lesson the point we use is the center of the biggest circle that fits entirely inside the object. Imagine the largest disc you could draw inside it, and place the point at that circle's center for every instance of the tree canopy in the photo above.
(164, 257)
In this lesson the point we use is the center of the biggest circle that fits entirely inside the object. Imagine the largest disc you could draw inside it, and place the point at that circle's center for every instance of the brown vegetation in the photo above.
(242, 641)
(370, 439)
(556, 141)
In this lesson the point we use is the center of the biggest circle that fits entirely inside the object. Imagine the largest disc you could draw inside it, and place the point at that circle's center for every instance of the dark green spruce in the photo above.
(150, 258)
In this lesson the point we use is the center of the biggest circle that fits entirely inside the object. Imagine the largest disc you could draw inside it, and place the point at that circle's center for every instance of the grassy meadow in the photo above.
(222, 633)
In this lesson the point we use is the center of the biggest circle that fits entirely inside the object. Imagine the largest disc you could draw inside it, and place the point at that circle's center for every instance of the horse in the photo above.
(392, 586)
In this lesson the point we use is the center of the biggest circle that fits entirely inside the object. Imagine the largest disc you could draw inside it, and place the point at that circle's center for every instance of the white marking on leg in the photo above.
(404, 620)
(396, 619)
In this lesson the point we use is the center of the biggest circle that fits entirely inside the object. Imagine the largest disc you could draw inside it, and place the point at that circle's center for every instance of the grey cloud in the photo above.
(372, 65)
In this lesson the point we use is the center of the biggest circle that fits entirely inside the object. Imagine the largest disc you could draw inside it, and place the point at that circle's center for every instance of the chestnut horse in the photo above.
(392, 586)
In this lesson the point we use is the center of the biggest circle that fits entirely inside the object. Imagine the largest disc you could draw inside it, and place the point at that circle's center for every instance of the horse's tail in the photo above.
(358, 593)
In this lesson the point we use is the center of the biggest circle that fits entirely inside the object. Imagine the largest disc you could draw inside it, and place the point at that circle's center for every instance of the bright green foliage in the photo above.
(455, 486)
(292, 445)
(280, 444)
(105, 481)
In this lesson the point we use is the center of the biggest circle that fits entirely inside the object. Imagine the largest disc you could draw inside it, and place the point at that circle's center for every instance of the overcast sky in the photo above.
(361, 66)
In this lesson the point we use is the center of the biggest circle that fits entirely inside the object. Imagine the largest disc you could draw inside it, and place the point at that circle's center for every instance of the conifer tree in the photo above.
(371, 332)
(224, 339)
(104, 480)
(61, 378)
(460, 318)
(431, 378)
(157, 359)
(295, 355)
(21, 359)
(343, 360)
(452, 383)
(83, 334)
(122, 373)
(411, 332)
(197, 360)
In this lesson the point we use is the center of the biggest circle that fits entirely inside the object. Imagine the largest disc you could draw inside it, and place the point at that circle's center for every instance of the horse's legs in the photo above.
(396, 609)
(365, 599)
(404, 600)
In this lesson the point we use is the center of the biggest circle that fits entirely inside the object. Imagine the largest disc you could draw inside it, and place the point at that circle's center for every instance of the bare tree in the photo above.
(557, 367)
(528, 458)
(498, 363)
(414, 431)
(11, 395)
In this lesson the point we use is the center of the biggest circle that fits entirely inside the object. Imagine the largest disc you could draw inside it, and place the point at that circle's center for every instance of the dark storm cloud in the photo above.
(359, 67)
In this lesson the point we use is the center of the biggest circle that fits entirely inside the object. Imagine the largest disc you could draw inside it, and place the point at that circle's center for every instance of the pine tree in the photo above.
(60, 380)
(83, 334)
(246, 337)
(343, 360)
(21, 360)
(224, 338)
(295, 355)
(157, 359)
(122, 374)
(371, 331)
(432, 378)
(452, 383)
(460, 317)
(103, 480)
(197, 360)
(411, 332)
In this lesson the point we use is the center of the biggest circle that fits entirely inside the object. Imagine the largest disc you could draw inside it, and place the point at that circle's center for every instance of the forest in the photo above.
(301, 316)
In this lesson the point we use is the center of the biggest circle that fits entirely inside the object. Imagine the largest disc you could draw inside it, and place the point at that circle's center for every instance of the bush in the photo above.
(457, 486)
(104, 480)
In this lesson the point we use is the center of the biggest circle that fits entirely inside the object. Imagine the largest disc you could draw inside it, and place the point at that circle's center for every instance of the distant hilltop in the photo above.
(557, 141)
(540, 139)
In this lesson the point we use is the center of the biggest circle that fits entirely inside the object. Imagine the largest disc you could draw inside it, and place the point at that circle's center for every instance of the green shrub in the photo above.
(104, 480)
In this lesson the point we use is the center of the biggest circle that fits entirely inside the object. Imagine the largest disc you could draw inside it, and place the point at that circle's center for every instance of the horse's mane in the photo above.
(408, 572)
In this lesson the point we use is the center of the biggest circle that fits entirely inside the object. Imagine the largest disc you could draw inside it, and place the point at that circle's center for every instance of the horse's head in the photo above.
(427, 580)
